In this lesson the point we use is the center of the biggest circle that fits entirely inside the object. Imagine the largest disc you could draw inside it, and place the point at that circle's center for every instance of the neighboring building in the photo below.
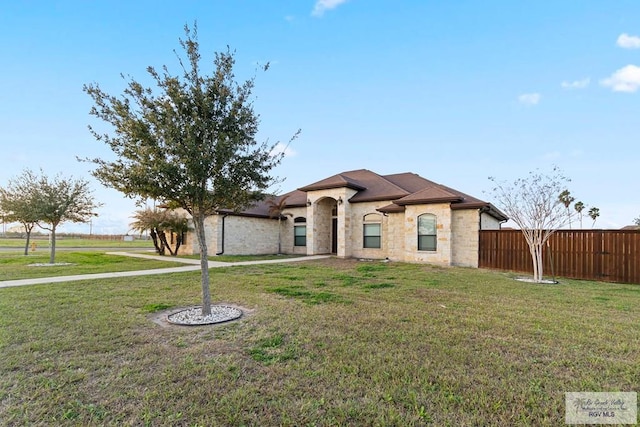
(402, 217)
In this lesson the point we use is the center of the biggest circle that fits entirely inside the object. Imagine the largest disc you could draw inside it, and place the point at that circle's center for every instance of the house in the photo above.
(400, 217)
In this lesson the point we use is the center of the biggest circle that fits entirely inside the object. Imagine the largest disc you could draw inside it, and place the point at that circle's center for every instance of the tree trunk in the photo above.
(540, 261)
(154, 237)
(27, 230)
(198, 224)
(52, 253)
(279, 239)
(165, 244)
(178, 243)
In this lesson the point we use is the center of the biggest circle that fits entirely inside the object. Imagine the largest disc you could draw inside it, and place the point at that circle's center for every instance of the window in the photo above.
(427, 232)
(372, 230)
(300, 231)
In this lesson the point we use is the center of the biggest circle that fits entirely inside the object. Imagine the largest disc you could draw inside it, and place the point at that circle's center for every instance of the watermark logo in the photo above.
(601, 408)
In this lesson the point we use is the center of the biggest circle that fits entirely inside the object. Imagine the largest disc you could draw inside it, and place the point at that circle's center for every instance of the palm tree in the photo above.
(566, 199)
(579, 206)
(176, 224)
(276, 208)
(152, 220)
(594, 213)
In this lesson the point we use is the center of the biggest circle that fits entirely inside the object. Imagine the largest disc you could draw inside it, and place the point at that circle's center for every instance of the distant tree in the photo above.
(276, 210)
(18, 203)
(579, 207)
(150, 220)
(594, 213)
(533, 204)
(637, 222)
(190, 142)
(566, 199)
(61, 200)
(177, 225)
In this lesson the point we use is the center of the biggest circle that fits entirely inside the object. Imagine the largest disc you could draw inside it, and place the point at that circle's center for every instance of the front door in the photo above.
(334, 236)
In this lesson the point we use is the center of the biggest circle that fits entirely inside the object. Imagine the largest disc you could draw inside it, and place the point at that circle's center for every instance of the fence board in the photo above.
(606, 255)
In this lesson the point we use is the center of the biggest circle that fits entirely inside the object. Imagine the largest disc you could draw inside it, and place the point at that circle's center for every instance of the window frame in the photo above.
(425, 247)
(299, 240)
(372, 241)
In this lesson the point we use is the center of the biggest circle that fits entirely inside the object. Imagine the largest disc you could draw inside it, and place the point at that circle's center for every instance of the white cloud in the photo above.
(628, 42)
(529, 98)
(626, 79)
(283, 148)
(576, 84)
(323, 5)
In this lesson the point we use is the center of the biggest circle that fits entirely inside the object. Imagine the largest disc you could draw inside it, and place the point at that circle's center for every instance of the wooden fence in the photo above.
(606, 255)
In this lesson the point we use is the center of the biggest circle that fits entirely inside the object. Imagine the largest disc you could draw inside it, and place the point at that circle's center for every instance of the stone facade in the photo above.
(336, 211)
(242, 235)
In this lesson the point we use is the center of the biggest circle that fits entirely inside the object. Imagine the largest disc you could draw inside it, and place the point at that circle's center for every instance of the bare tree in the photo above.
(533, 204)
(637, 222)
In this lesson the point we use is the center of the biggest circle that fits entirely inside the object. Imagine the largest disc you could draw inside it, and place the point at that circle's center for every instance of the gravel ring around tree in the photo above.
(193, 316)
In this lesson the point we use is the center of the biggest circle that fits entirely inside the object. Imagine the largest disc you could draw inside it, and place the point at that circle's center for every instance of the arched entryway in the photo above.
(325, 218)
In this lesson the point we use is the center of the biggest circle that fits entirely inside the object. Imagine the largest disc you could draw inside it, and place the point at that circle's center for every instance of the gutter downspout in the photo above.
(222, 245)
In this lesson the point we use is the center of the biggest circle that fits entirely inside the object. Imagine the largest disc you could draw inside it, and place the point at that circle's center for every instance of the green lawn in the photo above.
(66, 242)
(15, 266)
(324, 343)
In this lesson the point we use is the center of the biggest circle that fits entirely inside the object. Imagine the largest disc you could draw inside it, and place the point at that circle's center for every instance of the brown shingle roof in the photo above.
(401, 189)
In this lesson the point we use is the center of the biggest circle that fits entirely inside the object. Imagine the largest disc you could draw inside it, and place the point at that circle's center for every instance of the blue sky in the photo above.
(454, 91)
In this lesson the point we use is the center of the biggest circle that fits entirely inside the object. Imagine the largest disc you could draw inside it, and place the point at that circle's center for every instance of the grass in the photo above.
(15, 266)
(67, 242)
(395, 345)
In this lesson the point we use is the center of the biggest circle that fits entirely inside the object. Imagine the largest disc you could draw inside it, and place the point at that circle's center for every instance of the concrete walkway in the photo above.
(194, 265)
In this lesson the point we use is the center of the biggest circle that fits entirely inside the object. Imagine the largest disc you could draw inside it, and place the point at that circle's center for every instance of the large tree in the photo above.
(190, 141)
(18, 203)
(536, 205)
(59, 200)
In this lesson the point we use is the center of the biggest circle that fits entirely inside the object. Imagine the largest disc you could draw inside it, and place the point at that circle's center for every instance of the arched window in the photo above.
(300, 231)
(427, 232)
(372, 231)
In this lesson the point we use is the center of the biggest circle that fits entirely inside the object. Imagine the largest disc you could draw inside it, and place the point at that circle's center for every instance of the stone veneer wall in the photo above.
(457, 237)
(442, 255)
(246, 235)
(356, 218)
(242, 236)
(465, 224)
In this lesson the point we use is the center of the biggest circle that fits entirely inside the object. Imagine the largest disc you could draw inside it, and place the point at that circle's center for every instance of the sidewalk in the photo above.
(194, 265)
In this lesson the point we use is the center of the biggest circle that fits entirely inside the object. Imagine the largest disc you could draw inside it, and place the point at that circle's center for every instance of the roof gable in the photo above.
(429, 195)
(399, 189)
(369, 186)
